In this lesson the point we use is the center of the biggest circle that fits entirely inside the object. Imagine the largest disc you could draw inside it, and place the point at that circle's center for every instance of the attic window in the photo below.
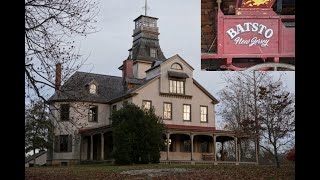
(93, 89)
(176, 66)
(153, 52)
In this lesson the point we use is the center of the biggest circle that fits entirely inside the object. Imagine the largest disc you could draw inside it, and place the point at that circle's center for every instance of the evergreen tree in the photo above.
(137, 135)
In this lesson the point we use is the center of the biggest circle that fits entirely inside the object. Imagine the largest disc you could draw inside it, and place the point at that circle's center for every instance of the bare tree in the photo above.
(277, 118)
(50, 26)
(242, 106)
(239, 107)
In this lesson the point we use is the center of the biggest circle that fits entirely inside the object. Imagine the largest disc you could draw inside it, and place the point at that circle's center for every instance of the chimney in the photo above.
(58, 76)
(127, 69)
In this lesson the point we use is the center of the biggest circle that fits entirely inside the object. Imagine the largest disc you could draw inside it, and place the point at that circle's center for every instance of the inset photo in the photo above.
(239, 35)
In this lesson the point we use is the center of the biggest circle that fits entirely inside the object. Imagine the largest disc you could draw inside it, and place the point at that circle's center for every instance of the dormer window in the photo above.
(176, 66)
(153, 52)
(93, 89)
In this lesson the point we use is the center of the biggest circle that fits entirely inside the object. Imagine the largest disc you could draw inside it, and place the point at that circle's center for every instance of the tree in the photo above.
(277, 118)
(243, 108)
(37, 126)
(50, 26)
(239, 107)
(137, 135)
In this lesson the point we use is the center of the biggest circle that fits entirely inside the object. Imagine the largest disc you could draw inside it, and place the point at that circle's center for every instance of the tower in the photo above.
(145, 48)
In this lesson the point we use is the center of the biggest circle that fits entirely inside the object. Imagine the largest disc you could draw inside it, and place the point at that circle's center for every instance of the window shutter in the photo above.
(56, 144)
(70, 143)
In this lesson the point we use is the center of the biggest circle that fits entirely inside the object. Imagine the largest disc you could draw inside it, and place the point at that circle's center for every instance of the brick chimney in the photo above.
(58, 76)
(127, 69)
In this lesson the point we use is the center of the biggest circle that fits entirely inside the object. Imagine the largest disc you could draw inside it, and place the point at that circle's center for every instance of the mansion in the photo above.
(83, 104)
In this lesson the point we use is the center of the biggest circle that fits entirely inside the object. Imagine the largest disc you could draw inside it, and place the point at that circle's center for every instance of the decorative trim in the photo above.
(182, 96)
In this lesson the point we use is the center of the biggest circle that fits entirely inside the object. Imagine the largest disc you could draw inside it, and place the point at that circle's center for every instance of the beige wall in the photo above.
(152, 93)
(139, 69)
(78, 119)
(165, 66)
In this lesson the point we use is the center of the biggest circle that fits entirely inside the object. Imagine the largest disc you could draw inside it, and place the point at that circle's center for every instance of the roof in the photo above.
(28, 159)
(178, 56)
(76, 88)
(215, 101)
(177, 74)
(145, 16)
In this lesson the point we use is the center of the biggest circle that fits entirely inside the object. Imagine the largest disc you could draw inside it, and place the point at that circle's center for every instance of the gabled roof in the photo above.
(76, 88)
(28, 159)
(177, 56)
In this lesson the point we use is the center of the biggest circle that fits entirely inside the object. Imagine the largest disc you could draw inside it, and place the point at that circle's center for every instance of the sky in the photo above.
(180, 33)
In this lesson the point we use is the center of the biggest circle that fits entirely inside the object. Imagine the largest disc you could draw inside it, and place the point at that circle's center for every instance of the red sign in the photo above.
(250, 36)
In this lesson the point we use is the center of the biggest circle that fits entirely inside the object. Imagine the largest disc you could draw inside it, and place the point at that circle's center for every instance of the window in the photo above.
(167, 109)
(176, 86)
(146, 104)
(63, 143)
(93, 89)
(186, 112)
(114, 107)
(64, 112)
(153, 52)
(176, 66)
(93, 113)
(203, 114)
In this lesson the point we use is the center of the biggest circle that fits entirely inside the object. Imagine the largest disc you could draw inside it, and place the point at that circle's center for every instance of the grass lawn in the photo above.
(161, 171)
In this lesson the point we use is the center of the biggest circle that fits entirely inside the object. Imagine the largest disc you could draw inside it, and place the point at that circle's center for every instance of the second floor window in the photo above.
(146, 104)
(186, 112)
(93, 113)
(203, 114)
(64, 112)
(167, 109)
(176, 86)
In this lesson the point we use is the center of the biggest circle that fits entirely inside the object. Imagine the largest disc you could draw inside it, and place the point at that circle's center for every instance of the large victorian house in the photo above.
(84, 103)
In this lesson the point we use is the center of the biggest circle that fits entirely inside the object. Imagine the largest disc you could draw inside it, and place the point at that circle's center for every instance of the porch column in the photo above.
(91, 148)
(191, 137)
(214, 148)
(257, 153)
(236, 148)
(102, 146)
(239, 149)
(81, 148)
(222, 152)
(168, 145)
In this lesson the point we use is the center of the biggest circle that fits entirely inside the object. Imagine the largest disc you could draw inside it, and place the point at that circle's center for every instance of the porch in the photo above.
(184, 145)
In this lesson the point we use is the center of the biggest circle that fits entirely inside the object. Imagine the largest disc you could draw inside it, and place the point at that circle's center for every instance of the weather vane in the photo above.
(145, 7)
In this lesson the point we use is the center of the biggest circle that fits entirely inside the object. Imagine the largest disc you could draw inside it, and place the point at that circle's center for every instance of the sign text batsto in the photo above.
(251, 36)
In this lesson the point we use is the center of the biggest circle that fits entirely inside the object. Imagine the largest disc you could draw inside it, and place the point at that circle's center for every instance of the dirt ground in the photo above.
(161, 172)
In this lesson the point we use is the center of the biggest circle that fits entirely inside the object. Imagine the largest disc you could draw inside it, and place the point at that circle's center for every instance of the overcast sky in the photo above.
(179, 26)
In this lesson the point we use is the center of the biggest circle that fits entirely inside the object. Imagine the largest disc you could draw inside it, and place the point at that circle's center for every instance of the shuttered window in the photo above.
(63, 143)
(64, 112)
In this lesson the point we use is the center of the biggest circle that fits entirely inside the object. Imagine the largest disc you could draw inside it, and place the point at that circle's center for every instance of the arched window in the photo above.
(93, 89)
(176, 66)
